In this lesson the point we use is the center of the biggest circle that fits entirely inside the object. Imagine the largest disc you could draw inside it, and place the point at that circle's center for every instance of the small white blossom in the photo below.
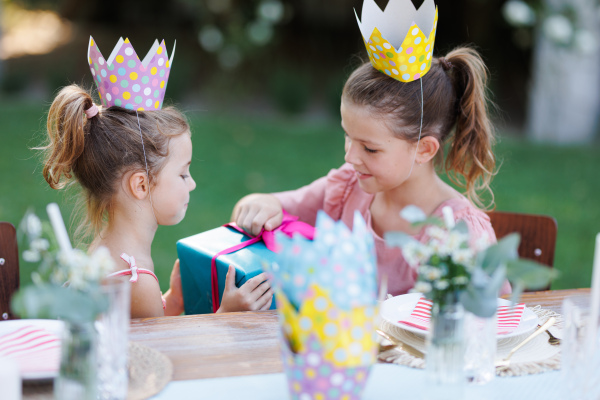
(482, 242)
(460, 280)
(432, 273)
(463, 257)
(100, 264)
(31, 256)
(558, 28)
(435, 232)
(33, 225)
(518, 13)
(415, 253)
(39, 244)
(422, 287)
(441, 285)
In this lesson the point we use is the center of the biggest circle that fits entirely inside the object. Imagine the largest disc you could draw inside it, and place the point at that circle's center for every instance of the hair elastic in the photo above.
(92, 111)
(447, 65)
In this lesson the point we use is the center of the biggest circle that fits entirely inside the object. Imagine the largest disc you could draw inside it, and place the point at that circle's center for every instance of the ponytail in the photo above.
(98, 151)
(470, 162)
(67, 126)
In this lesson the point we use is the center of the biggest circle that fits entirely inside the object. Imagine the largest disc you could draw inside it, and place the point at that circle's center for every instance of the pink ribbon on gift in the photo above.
(289, 226)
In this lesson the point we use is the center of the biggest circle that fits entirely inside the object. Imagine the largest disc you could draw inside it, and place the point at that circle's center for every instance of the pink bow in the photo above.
(289, 226)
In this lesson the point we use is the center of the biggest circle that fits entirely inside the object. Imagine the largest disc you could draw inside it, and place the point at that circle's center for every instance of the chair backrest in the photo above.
(9, 268)
(538, 234)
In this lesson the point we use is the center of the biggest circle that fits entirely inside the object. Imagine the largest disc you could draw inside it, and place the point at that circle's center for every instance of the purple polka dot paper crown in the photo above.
(395, 38)
(125, 81)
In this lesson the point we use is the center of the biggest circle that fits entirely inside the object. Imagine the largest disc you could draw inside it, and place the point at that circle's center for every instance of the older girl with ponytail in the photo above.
(395, 147)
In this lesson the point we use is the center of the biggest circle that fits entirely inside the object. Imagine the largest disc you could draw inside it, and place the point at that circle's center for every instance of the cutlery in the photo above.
(554, 341)
(400, 345)
(503, 364)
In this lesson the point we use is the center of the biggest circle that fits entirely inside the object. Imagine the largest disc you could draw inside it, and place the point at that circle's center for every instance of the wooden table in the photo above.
(234, 344)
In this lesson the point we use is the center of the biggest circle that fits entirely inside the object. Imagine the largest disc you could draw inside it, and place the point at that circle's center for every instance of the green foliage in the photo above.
(290, 90)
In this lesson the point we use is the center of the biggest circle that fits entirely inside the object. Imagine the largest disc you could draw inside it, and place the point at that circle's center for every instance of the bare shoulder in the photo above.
(146, 298)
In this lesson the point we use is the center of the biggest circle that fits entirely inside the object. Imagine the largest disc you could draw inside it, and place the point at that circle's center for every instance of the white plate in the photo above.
(400, 307)
(32, 367)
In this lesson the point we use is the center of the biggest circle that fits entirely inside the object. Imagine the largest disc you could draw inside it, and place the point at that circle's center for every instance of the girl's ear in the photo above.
(138, 185)
(428, 148)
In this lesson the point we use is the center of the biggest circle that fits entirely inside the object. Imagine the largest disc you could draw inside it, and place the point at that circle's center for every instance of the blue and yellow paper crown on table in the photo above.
(327, 291)
(126, 81)
(395, 38)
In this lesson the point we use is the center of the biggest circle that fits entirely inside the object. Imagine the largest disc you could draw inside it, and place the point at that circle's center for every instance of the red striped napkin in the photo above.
(34, 349)
(509, 317)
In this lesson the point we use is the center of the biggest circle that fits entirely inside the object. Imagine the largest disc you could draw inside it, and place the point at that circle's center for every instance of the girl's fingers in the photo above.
(264, 302)
(273, 221)
(248, 223)
(258, 283)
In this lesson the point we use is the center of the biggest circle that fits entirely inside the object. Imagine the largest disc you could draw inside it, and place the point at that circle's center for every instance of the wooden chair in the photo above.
(9, 268)
(538, 234)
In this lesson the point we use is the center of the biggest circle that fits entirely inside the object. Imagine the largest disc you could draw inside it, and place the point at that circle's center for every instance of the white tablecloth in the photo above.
(386, 381)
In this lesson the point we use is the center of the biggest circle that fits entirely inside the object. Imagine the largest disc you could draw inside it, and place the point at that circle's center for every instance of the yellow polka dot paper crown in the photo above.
(395, 38)
(125, 81)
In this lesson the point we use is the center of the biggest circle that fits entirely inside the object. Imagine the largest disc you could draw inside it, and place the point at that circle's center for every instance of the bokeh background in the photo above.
(260, 81)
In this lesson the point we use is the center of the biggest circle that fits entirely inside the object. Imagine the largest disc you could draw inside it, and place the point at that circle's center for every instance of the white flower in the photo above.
(518, 13)
(441, 285)
(33, 225)
(482, 242)
(422, 287)
(585, 42)
(435, 232)
(415, 253)
(39, 244)
(558, 28)
(432, 273)
(463, 257)
(100, 264)
(31, 256)
(455, 241)
(460, 280)
(413, 214)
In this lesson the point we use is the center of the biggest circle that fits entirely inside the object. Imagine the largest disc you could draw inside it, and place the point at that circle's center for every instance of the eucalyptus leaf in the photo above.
(500, 253)
(530, 274)
(478, 302)
(461, 227)
(398, 239)
(57, 302)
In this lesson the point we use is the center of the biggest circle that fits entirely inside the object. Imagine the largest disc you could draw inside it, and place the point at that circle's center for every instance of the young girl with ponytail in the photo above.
(396, 134)
(133, 168)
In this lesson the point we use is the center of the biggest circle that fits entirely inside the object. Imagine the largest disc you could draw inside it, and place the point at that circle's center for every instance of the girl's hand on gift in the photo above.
(254, 295)
(256, 211)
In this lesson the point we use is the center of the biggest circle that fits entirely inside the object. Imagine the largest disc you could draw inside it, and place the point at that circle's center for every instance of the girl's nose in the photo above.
(192, 184)
(351, 156)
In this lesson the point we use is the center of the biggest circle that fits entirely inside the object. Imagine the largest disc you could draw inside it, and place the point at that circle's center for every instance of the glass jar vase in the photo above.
(78, 366)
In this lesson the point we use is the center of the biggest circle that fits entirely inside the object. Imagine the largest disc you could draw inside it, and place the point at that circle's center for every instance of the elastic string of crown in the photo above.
(146, 164)
(420, 130)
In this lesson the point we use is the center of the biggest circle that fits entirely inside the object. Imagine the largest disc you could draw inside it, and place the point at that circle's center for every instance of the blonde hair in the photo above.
(455, 111)
(97, 152)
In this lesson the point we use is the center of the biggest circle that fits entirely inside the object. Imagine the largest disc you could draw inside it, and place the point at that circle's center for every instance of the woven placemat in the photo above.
(535, 357)
(149, 372)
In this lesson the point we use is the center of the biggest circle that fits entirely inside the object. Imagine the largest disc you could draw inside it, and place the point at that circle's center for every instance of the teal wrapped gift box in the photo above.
(195, 255)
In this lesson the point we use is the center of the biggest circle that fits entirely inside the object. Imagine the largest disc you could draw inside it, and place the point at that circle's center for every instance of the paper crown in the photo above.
(125, 81)
(327, 305)
(395, 38)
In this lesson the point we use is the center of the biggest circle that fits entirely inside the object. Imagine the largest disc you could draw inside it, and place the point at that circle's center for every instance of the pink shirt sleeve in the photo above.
(304, 202)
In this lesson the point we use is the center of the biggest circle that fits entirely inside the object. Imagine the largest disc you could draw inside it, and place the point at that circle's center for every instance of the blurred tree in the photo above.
(564, 102)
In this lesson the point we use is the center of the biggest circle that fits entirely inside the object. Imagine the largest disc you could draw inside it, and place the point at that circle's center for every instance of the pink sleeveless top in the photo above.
(134, 271)
(339, 195)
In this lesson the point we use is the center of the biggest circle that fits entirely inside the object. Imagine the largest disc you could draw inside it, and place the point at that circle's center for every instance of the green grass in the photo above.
(235, 155)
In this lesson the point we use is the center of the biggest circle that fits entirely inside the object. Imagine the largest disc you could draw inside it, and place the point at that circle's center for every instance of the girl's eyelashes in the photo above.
(370, 150)
(184, 176)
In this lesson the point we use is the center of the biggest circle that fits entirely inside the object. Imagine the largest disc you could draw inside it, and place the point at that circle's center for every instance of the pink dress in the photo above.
(339, 195)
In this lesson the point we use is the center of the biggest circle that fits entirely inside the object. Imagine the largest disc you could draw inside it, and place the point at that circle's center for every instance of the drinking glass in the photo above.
(580, 354)
(113, 344)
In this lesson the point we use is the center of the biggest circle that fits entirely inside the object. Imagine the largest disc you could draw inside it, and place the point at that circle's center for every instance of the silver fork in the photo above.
(503, 365)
